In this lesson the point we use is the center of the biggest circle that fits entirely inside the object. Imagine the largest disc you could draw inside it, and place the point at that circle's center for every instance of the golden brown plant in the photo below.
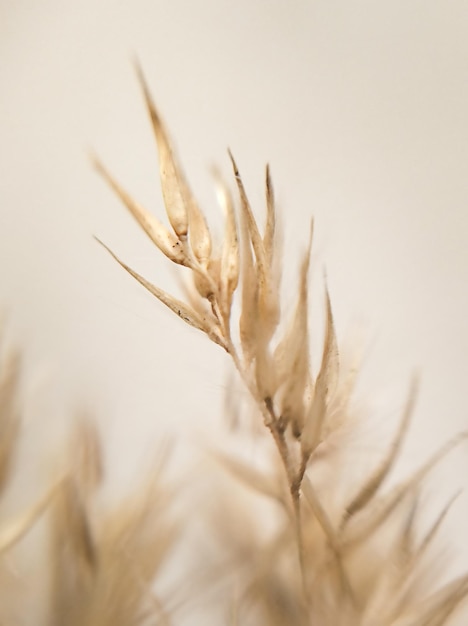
(340, 556)
(13, 530)
(104, 565)
(101, 564)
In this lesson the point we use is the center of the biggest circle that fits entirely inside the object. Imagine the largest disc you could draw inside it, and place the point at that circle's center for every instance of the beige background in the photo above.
(360, 108)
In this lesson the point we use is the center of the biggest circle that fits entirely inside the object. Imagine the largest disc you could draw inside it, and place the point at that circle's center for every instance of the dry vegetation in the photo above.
(99, 563)
(338, 549)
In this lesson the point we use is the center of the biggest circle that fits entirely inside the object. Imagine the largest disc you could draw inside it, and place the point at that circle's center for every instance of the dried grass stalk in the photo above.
(325, 543)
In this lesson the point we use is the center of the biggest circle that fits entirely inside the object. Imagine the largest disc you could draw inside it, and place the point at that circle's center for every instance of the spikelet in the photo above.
(292, 356)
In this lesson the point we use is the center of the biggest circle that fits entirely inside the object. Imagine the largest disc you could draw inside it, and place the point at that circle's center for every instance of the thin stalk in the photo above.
(296, 501)
(294, 481)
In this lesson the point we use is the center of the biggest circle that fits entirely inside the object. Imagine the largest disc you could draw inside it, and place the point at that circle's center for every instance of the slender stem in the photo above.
(294, 478)
(296, 501)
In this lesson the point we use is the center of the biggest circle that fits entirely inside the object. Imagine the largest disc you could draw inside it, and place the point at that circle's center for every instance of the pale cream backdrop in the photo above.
(360, 108)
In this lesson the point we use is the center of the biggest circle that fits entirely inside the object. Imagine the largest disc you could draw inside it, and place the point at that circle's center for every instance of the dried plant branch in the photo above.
(302, 412)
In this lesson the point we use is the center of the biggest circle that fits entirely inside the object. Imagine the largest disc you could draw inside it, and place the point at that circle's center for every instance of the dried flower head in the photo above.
(334, 560)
